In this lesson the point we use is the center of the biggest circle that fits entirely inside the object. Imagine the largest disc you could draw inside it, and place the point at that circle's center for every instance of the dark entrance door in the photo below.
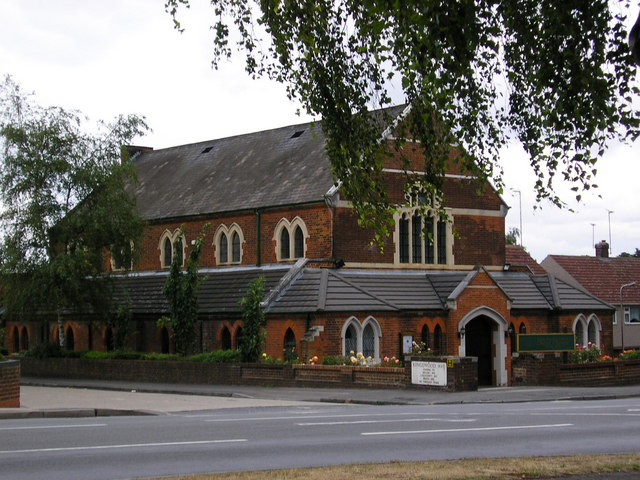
(478, 343)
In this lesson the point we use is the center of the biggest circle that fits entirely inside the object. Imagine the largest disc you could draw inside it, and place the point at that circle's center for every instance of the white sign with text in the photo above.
(429, 373)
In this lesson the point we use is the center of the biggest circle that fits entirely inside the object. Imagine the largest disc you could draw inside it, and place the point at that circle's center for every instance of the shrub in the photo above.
(45, 350)
(335, 360)
(219, 356)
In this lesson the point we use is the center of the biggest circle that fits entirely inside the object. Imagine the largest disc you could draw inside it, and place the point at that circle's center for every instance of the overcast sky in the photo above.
(113, 57)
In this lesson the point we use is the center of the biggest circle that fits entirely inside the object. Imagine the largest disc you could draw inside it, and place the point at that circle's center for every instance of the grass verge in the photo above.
(467, 469)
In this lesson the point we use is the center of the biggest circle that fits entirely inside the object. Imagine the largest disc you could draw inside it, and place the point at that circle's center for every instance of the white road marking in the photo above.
(305, 417)
(38, 427)
(360, 422)
(461, 430)
(133, 445)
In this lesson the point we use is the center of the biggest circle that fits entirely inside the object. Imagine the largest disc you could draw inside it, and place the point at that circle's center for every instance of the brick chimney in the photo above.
(602, 249)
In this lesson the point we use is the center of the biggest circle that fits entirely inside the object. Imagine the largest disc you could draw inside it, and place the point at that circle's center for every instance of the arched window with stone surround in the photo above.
(291, 239)
(228, 243)
(362, 337)
(171, 244)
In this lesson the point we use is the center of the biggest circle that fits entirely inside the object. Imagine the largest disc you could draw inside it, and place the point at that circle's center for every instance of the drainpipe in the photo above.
(258, 238)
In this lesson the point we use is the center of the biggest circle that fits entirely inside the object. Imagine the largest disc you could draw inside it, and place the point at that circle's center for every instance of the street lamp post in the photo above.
(622, 311)
(520, 208)
(609, 212)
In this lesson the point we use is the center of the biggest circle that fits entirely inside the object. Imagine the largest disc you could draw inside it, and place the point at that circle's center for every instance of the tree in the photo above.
(555, 76)
(64, 204)
(253, 333)
(181, 291)
(511, 238)
(627, 254)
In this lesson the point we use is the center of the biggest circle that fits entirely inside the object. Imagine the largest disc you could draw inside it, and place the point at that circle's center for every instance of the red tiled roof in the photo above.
(603, 277)
(515, 255)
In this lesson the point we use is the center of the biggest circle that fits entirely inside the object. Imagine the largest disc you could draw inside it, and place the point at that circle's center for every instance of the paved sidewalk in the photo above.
(42, 397)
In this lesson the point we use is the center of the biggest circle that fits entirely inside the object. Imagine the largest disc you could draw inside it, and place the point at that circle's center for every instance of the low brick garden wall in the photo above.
(460, 372)
(550, 369)
(10, 384)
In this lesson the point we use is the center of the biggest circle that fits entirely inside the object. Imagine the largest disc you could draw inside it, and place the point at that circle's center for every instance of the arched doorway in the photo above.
(482, 335)
(478, 343)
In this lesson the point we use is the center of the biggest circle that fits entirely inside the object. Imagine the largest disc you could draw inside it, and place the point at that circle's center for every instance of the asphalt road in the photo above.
(110, 448)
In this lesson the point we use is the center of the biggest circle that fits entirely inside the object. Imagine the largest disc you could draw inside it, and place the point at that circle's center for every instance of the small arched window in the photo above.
(24, 339)
(224, 248)
(298, 243)
(285, 250)
(179, 251)
(424, 336)
(69, 340)
(368, 341)
(290, 353)
(164, 340)
(168, 253)
(437, 340)
(225, 339)
(108, 339)
(350, 341)
(235, 247)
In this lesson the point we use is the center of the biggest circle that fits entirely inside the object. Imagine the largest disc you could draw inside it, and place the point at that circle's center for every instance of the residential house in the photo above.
(615, 280)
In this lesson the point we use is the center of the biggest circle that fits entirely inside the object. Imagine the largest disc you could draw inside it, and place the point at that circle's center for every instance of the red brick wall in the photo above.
(317, 219)
(10, 384)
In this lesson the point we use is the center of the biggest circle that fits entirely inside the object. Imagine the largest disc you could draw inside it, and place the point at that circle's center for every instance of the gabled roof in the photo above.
(518, 257)
(310, 290)
(600, 276)
(275, 167)
(278, 167)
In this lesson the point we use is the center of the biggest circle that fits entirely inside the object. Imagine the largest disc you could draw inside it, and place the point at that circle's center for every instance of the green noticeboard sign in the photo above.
(545, 342)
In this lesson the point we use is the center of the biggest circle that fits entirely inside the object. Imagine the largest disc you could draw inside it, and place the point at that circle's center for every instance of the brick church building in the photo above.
(275, 211)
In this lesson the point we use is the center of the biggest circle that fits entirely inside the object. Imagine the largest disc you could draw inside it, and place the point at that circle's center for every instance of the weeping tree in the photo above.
(557, 77)
(64, 205)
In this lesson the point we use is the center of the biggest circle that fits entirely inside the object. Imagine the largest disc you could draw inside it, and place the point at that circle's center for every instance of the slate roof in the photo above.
(269, 168)
(601, 276)
(277, 167)
(308, 290)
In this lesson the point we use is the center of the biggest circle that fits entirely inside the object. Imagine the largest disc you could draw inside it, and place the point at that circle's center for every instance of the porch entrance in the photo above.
(479, 343)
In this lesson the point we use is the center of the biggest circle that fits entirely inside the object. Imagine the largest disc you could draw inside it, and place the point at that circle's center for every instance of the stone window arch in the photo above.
(361, 337)
(593, 330)
(421, 237)
(172, 243)
(228, 242)
(580, 330)
(291, 239)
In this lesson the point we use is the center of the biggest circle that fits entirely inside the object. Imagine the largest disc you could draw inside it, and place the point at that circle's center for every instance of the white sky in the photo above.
(122, 56)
